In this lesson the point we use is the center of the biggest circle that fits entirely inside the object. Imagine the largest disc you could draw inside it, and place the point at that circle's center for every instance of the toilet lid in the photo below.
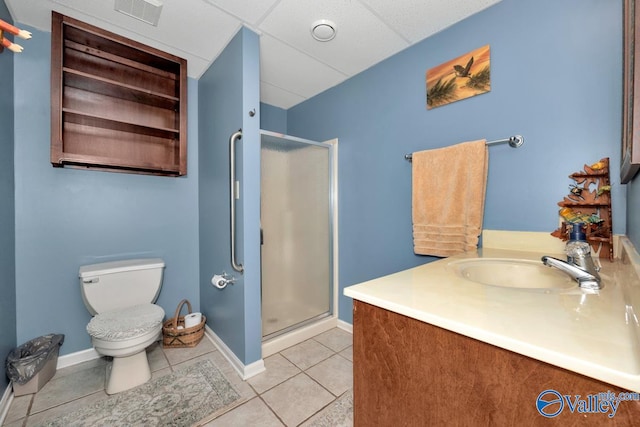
(126, 323)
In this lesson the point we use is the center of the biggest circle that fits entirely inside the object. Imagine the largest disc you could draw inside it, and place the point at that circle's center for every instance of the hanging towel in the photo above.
(448, 198)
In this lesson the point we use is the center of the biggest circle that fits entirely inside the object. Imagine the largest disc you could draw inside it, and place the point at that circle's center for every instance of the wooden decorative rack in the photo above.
(589, 201)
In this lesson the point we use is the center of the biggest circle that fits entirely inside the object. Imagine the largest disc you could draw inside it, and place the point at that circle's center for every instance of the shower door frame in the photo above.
(332, 314)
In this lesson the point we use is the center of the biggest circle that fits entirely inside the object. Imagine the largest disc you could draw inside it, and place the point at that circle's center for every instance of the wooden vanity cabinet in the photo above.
(116, 104)
(411, 373)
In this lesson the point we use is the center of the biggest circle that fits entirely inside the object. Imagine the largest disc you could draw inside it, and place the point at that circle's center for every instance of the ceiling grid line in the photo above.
(384, 21)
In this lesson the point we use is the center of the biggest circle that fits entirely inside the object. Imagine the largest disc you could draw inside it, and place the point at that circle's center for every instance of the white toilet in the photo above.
(120, 295)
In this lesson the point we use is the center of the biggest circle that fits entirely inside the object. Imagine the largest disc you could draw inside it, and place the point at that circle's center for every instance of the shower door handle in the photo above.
(232, 177)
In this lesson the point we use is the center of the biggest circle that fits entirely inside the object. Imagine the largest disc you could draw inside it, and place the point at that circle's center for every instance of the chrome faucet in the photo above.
(580, 268)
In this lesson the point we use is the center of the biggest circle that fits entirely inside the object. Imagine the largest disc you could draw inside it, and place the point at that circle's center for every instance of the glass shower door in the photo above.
(296, 232)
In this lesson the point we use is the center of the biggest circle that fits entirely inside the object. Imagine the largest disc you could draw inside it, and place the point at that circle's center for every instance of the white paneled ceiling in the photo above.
(293, 65)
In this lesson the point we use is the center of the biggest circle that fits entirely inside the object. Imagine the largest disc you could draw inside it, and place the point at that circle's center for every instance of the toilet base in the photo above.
(127, 372)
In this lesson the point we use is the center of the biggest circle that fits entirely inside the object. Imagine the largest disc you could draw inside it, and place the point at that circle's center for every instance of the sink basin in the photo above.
(511, 273)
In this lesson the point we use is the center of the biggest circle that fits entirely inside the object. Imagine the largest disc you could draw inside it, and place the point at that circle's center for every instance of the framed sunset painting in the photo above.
(463, 77)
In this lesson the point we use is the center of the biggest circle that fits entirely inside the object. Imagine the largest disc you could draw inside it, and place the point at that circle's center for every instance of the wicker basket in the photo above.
(172, 337)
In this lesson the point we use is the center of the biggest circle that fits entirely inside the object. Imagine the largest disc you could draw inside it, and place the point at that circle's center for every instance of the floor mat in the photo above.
(194, 393)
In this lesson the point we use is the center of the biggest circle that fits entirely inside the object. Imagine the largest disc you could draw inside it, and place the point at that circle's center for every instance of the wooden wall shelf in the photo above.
(116, 104)
(84, 119)
(84, 81)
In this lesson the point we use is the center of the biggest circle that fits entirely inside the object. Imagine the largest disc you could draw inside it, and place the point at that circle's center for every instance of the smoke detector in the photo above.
(323, 30)
(145, 10)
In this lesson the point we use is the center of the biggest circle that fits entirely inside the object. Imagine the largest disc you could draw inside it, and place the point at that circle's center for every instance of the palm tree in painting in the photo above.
(442, 92)
(480, 80)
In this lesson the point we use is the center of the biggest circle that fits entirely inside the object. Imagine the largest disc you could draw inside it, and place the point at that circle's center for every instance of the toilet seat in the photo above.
(127, 323)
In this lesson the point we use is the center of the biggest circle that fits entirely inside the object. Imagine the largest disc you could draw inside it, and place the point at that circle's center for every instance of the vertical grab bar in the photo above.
(232, 177)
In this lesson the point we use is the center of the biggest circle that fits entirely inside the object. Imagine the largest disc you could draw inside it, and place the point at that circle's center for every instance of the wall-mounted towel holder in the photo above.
(513, 141)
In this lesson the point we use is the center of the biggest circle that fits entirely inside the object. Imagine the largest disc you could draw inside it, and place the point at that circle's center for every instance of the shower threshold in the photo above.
(296, 326)
(297, 333)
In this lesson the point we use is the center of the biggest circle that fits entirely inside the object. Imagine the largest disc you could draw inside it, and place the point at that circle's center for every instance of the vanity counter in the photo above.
(593, 333)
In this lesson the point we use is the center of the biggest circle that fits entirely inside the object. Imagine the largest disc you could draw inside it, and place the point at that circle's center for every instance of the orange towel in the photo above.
(449, 186)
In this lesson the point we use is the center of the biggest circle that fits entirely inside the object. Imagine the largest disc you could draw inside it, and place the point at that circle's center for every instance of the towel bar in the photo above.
(514, 142)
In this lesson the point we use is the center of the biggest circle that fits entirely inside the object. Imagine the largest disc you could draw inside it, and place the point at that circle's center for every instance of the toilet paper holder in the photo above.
(221, 281)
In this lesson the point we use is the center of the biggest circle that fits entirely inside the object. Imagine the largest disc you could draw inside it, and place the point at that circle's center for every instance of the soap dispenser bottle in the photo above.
(578, 249)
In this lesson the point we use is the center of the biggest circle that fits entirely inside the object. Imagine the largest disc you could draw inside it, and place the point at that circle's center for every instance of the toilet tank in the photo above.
(119, 284)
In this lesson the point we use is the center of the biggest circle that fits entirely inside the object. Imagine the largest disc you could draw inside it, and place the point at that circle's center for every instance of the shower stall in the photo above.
(296, 215)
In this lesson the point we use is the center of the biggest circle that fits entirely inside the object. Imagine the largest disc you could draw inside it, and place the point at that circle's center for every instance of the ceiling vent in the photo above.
(323, 30)
(145, 10)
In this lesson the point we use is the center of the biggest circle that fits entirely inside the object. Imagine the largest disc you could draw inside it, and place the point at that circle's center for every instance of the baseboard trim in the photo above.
(347, 327)
(5, 402)
(254, 369)
(245, 371)
(77, 357)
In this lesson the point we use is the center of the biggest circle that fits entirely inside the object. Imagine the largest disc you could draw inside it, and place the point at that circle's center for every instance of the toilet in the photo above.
(120, 296)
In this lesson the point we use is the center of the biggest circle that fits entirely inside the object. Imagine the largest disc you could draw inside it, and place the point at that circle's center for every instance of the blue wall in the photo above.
(67, 217)
(556, 79)
(249, 207)
(273, 118)
(228, 91)
(7, 208)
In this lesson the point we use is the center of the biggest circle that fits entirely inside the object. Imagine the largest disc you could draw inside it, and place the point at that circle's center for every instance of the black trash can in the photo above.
(32, 364)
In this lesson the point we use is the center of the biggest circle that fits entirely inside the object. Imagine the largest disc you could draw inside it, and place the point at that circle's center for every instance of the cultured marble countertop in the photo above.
(594, 334)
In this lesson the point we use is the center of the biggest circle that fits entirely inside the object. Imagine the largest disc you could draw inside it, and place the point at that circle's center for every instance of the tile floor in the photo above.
(299, 383)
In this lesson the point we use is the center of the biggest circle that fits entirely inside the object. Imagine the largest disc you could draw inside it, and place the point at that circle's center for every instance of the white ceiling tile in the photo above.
(278, 97)
(196, 66)
(192, 31)
(283, 66)
(199, 29)
(36, 13)
(250, 11)
(418, 19)
(361, 39)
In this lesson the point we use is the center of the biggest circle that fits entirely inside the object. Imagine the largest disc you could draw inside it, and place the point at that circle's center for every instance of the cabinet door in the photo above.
(411, 373)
